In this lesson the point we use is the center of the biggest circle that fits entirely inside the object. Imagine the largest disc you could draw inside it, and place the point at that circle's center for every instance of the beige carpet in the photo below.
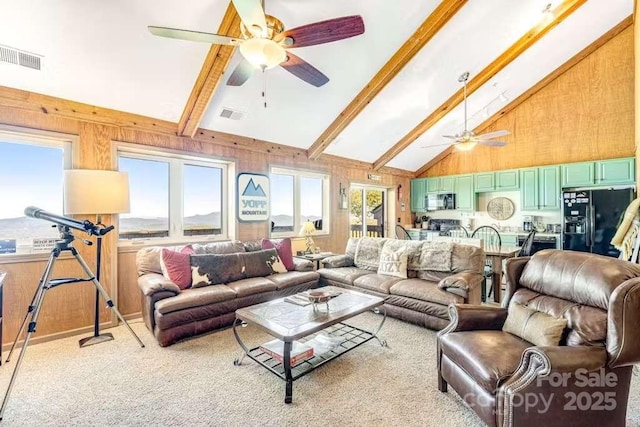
(195, 383)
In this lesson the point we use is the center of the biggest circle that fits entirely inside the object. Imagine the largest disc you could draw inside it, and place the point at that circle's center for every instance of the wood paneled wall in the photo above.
(587, 113)
(70, 308)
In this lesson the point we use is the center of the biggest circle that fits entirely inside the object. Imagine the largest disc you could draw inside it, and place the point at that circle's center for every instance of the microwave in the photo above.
(438, 202)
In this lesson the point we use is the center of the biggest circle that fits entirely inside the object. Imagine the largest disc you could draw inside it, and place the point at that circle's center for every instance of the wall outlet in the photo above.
(399, 220)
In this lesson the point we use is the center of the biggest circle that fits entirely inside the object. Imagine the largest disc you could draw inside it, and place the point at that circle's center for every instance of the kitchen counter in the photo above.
(502, 233)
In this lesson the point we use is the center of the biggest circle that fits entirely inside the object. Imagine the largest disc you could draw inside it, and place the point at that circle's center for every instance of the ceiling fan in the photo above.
(265, 43)
(467, 140)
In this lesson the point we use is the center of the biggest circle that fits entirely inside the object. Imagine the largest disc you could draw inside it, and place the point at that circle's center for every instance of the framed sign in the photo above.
(253, 197)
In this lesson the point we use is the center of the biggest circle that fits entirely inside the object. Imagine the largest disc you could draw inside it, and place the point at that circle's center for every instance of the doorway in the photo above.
(367, 211)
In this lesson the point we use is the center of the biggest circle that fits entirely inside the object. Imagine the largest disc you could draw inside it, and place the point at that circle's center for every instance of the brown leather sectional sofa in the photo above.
(171, 314)
(424, 296)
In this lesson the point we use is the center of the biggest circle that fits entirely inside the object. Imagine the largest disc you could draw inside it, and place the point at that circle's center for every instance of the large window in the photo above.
(296, 197)
(174, 196)
(31, 174)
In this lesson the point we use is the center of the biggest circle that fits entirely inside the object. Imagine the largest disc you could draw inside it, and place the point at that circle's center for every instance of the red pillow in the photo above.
(176, 266)
(283, 247)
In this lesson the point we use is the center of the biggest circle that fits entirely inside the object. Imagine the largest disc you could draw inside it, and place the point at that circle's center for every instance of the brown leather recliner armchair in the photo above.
(585, 380)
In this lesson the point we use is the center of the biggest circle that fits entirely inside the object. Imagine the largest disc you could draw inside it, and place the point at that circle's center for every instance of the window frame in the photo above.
(297, 215)
(176, 160)
(68, 144)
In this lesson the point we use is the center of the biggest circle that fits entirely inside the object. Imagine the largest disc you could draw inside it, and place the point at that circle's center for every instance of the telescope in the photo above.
(86, 226)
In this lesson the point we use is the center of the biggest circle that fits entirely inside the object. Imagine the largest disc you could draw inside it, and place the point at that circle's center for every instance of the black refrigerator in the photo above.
(590, 218)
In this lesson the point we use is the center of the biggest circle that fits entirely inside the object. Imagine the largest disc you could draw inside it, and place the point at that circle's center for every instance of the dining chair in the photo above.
(490, 237)
(401, 233)
(459, 231)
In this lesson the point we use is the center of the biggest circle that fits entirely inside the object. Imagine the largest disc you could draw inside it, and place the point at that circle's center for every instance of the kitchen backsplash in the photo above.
(481, 217)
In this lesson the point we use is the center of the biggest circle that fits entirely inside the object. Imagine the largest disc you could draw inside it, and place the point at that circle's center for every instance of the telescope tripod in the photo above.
(45, 284)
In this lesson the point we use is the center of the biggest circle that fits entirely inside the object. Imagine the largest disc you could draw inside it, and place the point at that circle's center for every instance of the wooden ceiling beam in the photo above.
(429, 28)
(601, 41)
(208, 80)
(560, 13)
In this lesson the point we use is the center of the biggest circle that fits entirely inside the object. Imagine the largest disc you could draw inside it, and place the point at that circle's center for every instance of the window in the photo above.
(296, 197)
(31, 174)
(173, 196)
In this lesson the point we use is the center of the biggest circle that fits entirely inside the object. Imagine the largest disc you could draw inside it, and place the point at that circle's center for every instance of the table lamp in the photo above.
(308, 229)
(98, 192)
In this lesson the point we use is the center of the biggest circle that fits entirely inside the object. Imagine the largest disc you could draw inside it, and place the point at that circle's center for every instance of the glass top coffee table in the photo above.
(310, 324)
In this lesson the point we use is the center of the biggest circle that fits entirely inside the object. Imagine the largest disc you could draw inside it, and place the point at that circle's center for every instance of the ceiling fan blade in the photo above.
(439, 145)
(241, 73)
(450, 136)
(495, 134)
(303, 70)
(252, 16)
(322, 32)
(493, 143)
(196, 36)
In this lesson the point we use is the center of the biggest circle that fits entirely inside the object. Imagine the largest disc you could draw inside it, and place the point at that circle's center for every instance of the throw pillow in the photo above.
(435, 256)
(534, 326)
(368, 253)
(214, 269)
(283, 247)
(393, 261)
(176, 266)
(262, 263)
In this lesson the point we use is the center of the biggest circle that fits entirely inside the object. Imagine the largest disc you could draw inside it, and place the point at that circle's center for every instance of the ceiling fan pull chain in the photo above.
(264, 87)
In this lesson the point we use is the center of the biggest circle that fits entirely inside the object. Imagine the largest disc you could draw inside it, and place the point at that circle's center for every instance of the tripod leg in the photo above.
(105, 295)
(32, 328)
(36, 296)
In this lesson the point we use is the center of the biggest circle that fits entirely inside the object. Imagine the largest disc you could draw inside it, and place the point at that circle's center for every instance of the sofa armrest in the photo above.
(302, 265)
(465, 280)
(337, 261)
(468, 317)
(152, 283)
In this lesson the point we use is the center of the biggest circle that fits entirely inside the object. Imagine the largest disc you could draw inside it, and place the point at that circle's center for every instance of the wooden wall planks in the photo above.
(586, 113)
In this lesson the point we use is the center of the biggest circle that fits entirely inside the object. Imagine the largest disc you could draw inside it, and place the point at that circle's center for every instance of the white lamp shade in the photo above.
(88, 191)
(263, 53)
(307, 229)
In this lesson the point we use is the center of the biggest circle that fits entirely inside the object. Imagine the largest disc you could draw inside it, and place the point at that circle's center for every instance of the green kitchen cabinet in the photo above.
(578, 174)
(417, 194)
(465, 193)
(484, 182)
(529, 189)
(550, 191)
(507, 180)
(616, 171)
(414, 234)
(442, 184)
(509, 239)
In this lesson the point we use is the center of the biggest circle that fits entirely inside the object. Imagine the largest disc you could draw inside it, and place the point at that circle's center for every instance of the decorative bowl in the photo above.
(319, 297)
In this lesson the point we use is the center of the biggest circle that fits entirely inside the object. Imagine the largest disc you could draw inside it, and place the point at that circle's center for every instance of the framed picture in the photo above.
(253, 197)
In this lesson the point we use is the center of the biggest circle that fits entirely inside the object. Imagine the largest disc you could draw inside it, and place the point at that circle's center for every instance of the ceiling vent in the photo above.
(228, 113)
(20, 57)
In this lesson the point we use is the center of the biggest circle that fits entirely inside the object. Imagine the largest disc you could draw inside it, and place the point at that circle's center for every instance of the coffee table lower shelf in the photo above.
(353, 337)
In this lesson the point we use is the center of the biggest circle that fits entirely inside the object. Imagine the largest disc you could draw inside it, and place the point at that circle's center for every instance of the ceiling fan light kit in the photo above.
(263, 53)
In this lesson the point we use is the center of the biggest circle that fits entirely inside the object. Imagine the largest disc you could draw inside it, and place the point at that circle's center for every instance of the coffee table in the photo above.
(290, 322)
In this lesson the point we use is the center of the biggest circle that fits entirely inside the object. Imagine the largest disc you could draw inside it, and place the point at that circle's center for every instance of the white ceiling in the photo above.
(100, 52)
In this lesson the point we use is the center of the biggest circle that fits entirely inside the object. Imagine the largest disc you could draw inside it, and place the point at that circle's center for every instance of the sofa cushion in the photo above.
(352, 245)
(336, 261)
(376, 282)
(293, 278)
(176, 266)
(435, 256)
(467, 258)
(498, 360)
(344, 275)
(393, 260)
(195, 297)
(283, 247)
(534, 326)
(232, 247)
(419, 306)
(423, 290)
(368, 253)
(251, 286)
(213, 269)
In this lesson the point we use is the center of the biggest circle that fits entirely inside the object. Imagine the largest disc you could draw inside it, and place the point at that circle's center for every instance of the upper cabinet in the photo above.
(484, 182)
(443, 184)
(417, 194)
(540, 188)
(616, 171)
(465, 193)
(529, 189)
(497, 181)
(602, 172)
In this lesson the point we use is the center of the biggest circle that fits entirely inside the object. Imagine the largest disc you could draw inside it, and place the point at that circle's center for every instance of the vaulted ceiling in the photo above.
(392, 92)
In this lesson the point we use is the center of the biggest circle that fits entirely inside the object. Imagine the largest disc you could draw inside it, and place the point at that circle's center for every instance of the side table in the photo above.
(315, 258)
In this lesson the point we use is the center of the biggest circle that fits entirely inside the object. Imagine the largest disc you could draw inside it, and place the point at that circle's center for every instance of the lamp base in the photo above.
(96, 339)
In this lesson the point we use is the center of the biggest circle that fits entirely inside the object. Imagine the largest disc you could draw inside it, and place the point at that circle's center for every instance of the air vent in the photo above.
(228, 113)
(20, 57)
